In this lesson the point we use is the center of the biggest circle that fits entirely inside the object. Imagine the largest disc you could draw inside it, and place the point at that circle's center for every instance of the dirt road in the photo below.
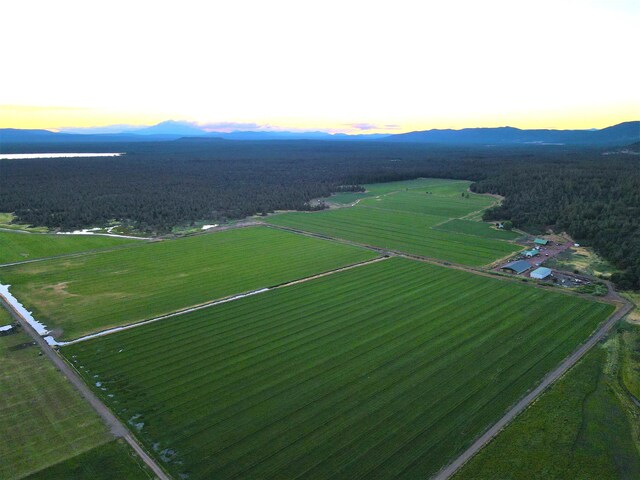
(519, 407)
(116, 427)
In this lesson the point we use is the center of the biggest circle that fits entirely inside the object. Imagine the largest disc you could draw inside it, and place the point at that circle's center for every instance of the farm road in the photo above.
(522, 405)
(215, 302)
(116, 427)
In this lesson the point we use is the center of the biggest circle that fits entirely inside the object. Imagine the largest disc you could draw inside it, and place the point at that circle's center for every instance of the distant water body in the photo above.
(15, 156)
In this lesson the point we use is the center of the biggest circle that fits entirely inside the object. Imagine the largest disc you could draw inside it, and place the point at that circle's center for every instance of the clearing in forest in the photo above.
(418, 217)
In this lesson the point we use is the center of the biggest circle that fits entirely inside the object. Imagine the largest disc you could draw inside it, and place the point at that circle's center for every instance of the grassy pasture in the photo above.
(112, 461)
(387, 370)
(435, 185)
(478, 229)
(19, 246)
(447, 206)
(395, 230)
(583, 427)
(91, 292)
(402, 216)
(43, 420)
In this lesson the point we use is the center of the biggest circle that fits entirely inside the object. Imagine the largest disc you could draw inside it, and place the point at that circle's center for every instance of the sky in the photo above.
(340, 66)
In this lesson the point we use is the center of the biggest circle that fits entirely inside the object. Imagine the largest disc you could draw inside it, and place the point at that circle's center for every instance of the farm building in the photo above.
(540, 273)
(531, 253)
(540, 241)
(519, 266)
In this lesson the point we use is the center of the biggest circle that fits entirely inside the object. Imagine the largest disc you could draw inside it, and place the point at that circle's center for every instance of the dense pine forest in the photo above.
(155, 186)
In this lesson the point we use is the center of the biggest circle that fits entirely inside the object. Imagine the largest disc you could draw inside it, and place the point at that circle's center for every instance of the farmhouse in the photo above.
(540, 241)
(518, 267)
(531, 253)
(540, 273)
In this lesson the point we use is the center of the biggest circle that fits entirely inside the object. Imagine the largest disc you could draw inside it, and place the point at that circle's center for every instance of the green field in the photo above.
(112, 461)
(585, 427)
(478, 229)
(43, 420)
(421, 185)
(401, 216)
(91, 292)
(20, 246)
(401, 231)
(386, 370)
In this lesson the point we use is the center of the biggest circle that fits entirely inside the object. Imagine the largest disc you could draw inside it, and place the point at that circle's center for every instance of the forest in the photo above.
(158, 185)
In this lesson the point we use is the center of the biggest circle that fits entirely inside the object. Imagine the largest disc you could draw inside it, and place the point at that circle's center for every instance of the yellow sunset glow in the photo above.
(367, 66)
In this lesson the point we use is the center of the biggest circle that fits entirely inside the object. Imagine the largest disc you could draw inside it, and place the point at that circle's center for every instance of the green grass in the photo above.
(344, 198)
(112, 461)
(478, 229)
(402, 216)
(630, 362)
(436, 185)
(582, 428)
(446, 206)
(43, 420)
(394, 230)
(387, 370)
(91, 292)
(20, 246)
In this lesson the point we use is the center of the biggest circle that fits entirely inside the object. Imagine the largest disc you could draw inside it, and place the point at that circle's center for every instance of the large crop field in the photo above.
(584, 427)
(20, 246)
(43, 420)
(386, 370)
(91, 292)
(413, 217)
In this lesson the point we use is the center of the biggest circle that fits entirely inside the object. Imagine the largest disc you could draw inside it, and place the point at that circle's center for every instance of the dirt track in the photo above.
(547, 381)
(116, 427)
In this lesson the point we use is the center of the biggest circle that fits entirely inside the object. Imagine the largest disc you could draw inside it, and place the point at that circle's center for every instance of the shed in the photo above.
(531, 253)
(540, 273)
(519, 266)
(540, 241)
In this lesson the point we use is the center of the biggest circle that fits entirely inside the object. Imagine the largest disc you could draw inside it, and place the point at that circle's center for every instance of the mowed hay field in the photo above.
(43, 420)
(112, 461)
(19, 246)
(383, 371)
(408, 219)
(92, 292)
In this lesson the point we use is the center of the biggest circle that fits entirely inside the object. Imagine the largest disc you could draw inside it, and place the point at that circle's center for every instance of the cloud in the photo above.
(364, 126)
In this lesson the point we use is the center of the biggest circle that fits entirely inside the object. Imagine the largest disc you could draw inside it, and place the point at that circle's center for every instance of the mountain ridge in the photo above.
(621, 134)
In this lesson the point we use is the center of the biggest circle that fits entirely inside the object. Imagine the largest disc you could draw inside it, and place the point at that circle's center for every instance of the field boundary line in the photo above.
(212, 303)
(116, 427)
(82, 253)
(548, 380)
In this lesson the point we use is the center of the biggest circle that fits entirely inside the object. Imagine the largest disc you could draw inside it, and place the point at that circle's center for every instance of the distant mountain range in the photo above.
(618, 135)
(621, 134)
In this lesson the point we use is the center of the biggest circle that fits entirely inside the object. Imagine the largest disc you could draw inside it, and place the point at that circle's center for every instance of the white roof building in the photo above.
(540, 273)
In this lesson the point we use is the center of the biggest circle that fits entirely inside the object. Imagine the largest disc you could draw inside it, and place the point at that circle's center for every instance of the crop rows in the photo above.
(385, 370)
(91, 292)
(396, 230)
(447, 206)
(43, 419)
